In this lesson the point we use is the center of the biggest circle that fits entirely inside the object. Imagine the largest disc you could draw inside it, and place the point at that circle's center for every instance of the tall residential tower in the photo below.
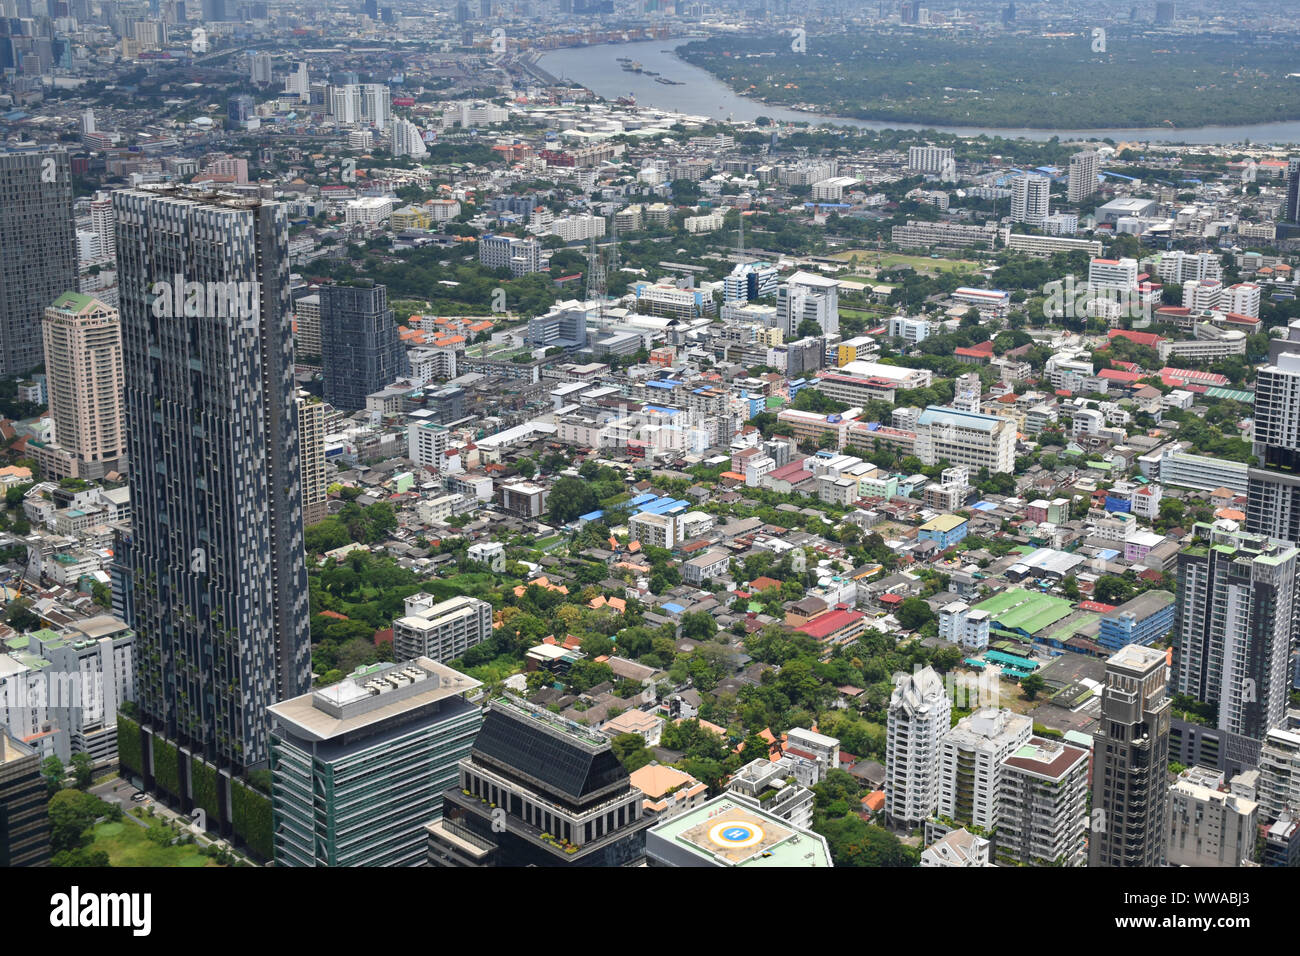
(214, 562)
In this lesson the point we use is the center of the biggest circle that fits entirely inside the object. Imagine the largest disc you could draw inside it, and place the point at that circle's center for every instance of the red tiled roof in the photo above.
(827, 624)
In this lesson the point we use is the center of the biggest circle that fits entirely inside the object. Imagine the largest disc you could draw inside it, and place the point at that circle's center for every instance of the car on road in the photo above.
(139, 796)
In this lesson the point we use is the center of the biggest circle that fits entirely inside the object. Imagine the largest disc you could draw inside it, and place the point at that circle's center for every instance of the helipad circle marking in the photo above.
(734, 834)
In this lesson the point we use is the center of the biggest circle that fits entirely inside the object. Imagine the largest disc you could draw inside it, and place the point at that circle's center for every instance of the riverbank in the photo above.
(702, 94)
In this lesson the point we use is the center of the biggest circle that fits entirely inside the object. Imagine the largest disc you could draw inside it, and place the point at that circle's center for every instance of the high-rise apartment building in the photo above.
(919, 715)
(1130, 760)
(1279, 774)
(1044, 796)
(1236, 594)
(83, 381)
(806, 297)
(1209, 825)
(1273, 492)
(306, 329)
(311, 457)
(1293, 189)
(1083, 176)
(1029, 199)
(441, 630)
(361, 351)
(970, 767)
(38, 250)
(358, 768)
(214, 561)
(928, 159)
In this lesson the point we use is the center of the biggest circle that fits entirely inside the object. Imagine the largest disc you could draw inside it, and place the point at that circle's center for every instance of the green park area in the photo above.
(128, 843)
(885, 261)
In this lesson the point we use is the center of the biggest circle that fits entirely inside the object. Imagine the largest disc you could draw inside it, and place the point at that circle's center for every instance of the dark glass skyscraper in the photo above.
(361, 351)
(37, 250)
(1130, 795)
(214, 564)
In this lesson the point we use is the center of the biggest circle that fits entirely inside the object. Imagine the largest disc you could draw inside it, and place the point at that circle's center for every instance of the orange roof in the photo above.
(874, 801)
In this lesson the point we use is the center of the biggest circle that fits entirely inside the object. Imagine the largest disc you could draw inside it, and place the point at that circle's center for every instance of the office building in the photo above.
(1145, 619)
(1236, 596)
(442, 630)
(919, 712)
(361, 351)
(83, 381)
(560, 328)
(24, 822)
(1029, 199)
(38, 250)
(358, 768)
(1208, 825)
(214, 560)
(1130, 760)
(1043, 804)
(748, 281)
(966, 438)
(970, 769)
(729, 832)
(538, 790)
(805, 297)
(1083, 176)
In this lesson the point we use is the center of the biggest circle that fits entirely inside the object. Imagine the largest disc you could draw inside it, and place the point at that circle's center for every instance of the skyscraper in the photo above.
(1293, 189)
(311, 454)
(215, 561)
(1083, 176)
(361, 351)
(1029, 199)
(919, 715)
(1273, 486)
(359, 768)
(1236, 595)
(38, 250)
(83, 377)
(807, 297)
(24, 823)
(1130, 760)
(970, 768)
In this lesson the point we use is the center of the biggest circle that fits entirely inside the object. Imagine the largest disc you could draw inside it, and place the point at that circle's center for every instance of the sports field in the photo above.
(884, 261)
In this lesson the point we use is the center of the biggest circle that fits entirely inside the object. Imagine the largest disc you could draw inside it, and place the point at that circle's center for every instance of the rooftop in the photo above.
(371, 695)
(726, 832)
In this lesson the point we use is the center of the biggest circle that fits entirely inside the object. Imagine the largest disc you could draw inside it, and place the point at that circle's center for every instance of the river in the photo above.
(703, 94)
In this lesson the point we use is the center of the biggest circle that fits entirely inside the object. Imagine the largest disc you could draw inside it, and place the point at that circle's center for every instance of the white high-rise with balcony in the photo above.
(919, 715)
